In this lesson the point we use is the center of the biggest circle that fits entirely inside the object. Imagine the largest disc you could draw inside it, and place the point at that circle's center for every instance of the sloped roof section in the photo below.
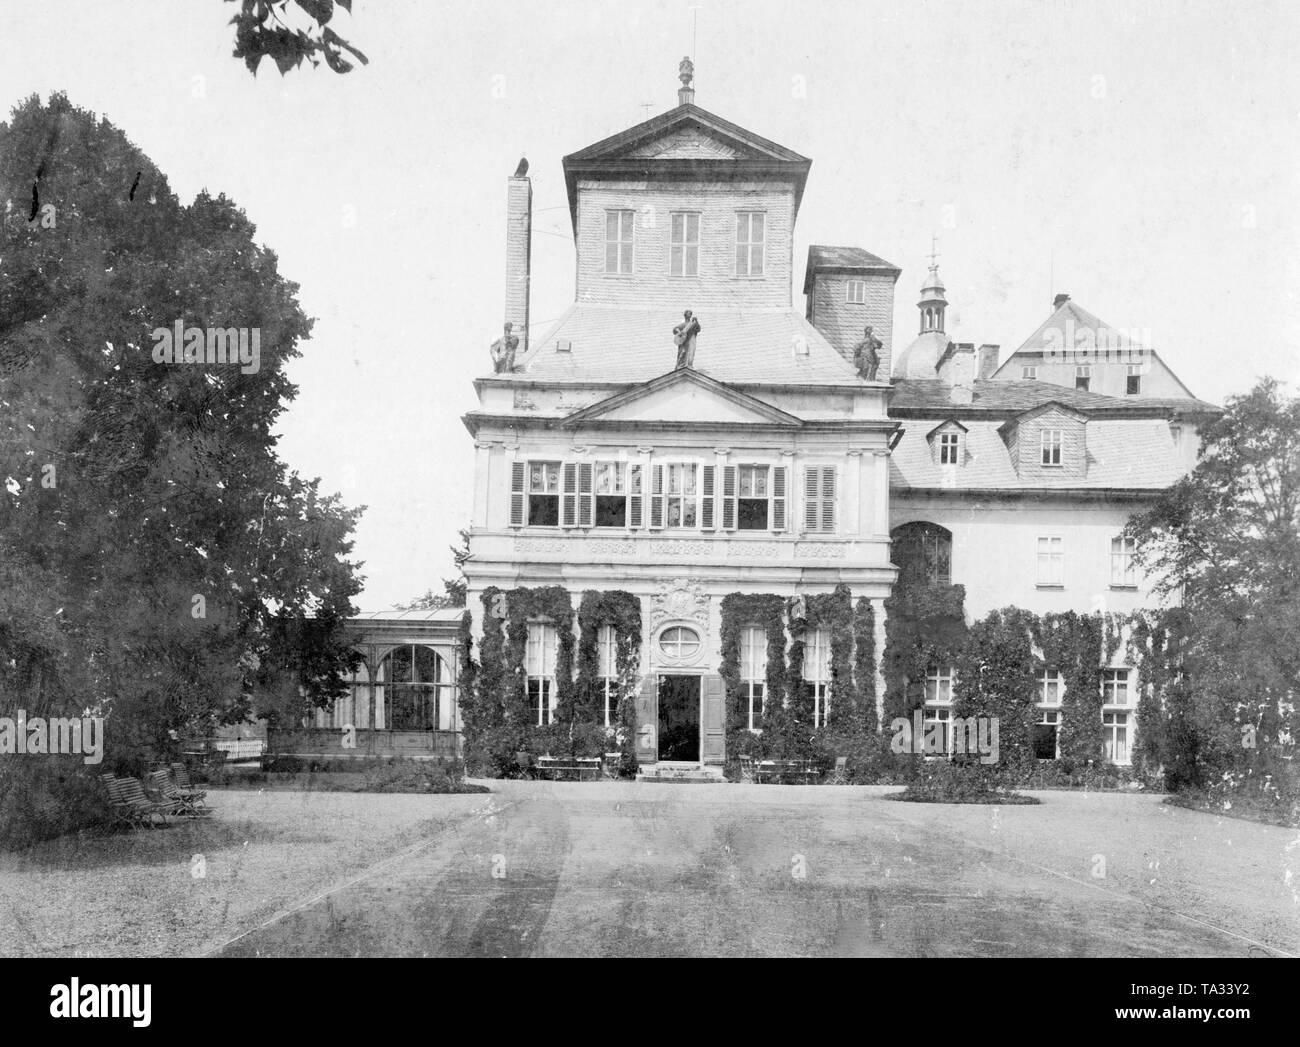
(616, 345)
(845, 259)
(930, 396)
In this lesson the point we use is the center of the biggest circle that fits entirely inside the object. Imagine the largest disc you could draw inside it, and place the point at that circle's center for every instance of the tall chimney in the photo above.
(519, 252)
(988, 361)
(1060, 300)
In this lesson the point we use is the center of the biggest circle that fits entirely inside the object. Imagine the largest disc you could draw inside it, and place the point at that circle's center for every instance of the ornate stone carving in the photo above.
(677, 547)
(866, 355)
(523, 403)
(503, 351)
(820, 551)
(754, 549)
(610, 547)
(684, 335)
(539, 545)
(677, 600)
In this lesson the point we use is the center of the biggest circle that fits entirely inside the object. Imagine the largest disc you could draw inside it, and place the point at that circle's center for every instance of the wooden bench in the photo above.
(579, 767)
(802, 771)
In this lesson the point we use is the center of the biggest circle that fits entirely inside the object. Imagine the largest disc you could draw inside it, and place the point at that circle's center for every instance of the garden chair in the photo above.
(747, 770)
(182, 775)
(612, 765)
(134, 807)
(161, 783)
(839, 774)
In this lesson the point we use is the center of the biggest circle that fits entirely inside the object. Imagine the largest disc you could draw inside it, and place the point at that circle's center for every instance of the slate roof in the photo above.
(930, 397)
(821, 256)
(616, 344)
(1126, 453)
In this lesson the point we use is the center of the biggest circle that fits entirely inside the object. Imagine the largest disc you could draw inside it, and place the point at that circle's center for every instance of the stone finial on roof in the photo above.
(686, 74)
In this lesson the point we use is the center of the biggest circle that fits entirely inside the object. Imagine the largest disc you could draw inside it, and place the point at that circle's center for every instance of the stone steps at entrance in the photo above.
(692, 774)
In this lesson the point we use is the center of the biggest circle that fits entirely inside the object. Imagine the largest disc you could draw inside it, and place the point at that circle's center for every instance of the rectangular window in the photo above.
(543, 494)
(817, 674)
(618, 243)
(856, 292)
(607, 671)
(753, 498)
(819, 499)
(948, 444)
(1052, 441)
(749, 243)
(1115, 734)
(1045, 734)
(681, 494)
(1121, 562)
(938, 685)
(942, 716)
(1082, 377)
(1051, 685)
(1134, 380)
(753, 673)
(1030, 371)
(1114, 687)
(539, 665)
(684, 244)
(1051, 561)
(611, 491)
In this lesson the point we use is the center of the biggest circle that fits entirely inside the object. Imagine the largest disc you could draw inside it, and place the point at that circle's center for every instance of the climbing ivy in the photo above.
(622, 612)
(925, 625)
(767, 612)
(864, 665)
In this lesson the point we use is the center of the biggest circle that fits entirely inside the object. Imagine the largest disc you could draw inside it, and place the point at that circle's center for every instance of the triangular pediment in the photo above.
(683, 396)
(686, 132)
(687, 143)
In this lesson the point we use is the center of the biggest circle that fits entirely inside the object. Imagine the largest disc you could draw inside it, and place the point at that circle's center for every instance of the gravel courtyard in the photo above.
(666, 870)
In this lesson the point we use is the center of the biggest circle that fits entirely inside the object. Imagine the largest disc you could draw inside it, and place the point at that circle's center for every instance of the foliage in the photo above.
(925, 625)
(622, 612)
(1071, 643)
(159, 563)
(864, 664)
(995, 680)
(944, 781)
(454, 590)
(268, 27)
(766, 611)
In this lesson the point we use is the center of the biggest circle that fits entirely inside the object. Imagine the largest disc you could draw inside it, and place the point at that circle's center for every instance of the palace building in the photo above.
(686, 432)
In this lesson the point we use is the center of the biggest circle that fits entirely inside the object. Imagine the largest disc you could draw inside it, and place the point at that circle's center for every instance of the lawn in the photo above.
(615, 868)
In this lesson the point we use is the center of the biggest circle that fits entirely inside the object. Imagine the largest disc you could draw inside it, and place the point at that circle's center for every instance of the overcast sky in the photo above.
(1141, 156)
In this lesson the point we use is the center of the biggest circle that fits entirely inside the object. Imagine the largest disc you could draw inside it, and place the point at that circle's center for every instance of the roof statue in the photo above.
(866, 355)
(503, 351)
(684, 335)
(522, 169)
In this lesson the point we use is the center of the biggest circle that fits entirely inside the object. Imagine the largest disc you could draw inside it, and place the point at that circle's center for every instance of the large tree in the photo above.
(1226, 540)
(158, 561)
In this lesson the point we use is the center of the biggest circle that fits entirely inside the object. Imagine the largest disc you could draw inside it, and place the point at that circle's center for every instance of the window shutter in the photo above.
(710, 496)
(569, 499)
(778, 498)
(656, 496)
(517, 472)
(586, 499)
(729, 497)
(811, 491)
(828, 499)
(634, 496)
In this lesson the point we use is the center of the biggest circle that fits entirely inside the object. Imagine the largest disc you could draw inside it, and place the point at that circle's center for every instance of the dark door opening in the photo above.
(679, 718)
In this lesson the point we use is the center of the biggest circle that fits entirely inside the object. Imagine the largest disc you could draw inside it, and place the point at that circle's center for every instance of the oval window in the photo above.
(679, 642)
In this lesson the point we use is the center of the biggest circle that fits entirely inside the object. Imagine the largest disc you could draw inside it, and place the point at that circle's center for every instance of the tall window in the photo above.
(416, 683)
(544, 494)
(819, 499)
(1114, 687)
(1051, 686)
(1133, 385)
(856, 292)
(753, 497)
(923, 554)
(539, 664)
(1122, 572)
(1114, 726)
(613, 482)
(1051, 561)
(938, 703)
(684, 244)
(753, 673)
(817, 674)
(948, 444)
(749, 243)
(618, 242)
(607, 671)
(681, 495)
(1082, 377)
(1051, 441)
(1029, 371)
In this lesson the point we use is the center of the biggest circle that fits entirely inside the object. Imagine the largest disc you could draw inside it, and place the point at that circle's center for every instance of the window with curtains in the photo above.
(817, 674)
(819, 484)
(576, 494)
(539, 666)
(1122, 551)
(607, 671)
(618, 243)
(753, 498)
(1051, 561)
(692, 495)
(684, 244)
(1050, 443)
(753, 674)
(750, 236)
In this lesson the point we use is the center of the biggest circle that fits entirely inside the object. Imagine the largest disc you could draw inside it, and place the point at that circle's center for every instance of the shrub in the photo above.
(40, 800)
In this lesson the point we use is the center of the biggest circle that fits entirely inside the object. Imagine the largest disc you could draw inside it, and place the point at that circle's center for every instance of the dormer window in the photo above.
(1134, 380)
(1083, 377)
(949, 448)
(856, 293)
(684, 244)
(750, 237)
(618, 243)
(1052, 440)
(1030, 372)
